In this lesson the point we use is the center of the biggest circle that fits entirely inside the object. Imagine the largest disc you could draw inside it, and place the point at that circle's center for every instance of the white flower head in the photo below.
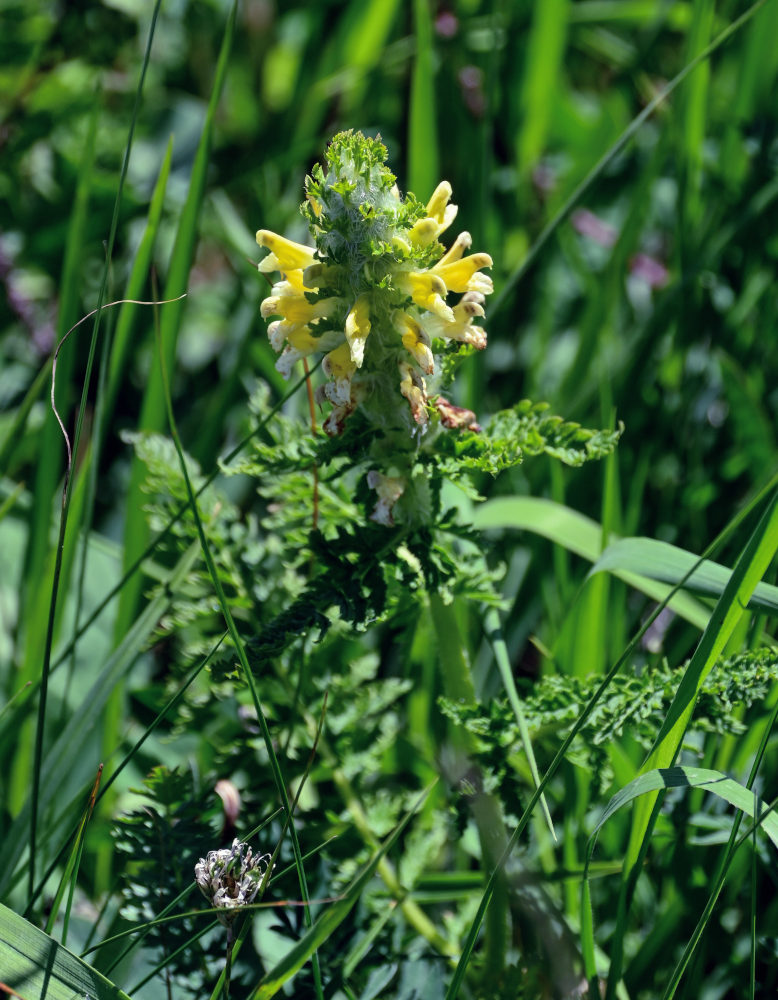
(231, 878)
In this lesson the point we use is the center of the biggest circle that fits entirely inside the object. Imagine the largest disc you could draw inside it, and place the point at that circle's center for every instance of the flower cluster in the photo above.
(231, 878)
(372, 294)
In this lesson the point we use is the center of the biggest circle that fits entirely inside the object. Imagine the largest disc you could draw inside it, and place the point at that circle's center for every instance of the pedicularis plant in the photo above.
(360, 524)
(393, 312)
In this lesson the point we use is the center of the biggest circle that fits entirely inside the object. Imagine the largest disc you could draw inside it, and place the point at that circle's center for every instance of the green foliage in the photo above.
(526, 429)
(160, 842)
(634, 262)
(636, 704)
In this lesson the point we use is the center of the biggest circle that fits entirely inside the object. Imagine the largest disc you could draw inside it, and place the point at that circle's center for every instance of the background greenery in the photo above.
(653, 302)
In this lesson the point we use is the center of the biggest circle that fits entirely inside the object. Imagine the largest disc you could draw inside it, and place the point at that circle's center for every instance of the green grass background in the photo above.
(638, 288)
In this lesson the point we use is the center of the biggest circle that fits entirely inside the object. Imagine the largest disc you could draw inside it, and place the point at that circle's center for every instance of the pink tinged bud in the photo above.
(456, 417)
(357, 329)
(230, 797)
(415, 391)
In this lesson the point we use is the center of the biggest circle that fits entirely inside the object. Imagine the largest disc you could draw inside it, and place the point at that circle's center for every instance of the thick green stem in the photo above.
(458, 686)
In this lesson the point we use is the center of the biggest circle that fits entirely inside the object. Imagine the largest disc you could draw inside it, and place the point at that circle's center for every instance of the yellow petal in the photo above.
(413, 388)
(428, 291)
(423, 232)
(357, 329)
(416, 342)
(436, 206)
(458, 274)
(287, 254)
(461, 243)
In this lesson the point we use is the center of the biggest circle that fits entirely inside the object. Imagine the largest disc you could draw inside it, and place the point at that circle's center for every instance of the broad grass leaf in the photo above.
(36, 966)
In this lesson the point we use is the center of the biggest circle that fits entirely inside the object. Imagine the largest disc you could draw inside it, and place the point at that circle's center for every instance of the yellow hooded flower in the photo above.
(461, 328)
(339, 366)
(285, 255)
(416, 341)
(357, 329)
(389, 490)
(412, 386)
(461, 275)
(427, 290)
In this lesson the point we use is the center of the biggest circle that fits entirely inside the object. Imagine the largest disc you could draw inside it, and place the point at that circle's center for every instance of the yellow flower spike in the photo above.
(415, 391)
(285, 255)
(461, 243)
(459, 275)
(357, 329)
(416, 341)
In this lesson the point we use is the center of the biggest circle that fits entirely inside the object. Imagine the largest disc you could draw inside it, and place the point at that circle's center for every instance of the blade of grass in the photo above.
(122, 340)
(694, 99)
(493, 629)
(152, 414)
(15, 431)
(275, 767)
(578, 534)
(39, 967)
(634, 126)
(64, 754)
(331, 919)
(718, 784)
(70, 875)
(58, 565)
(423, 169)
(544, 61)
(661, 561)
(749, 569)
(721, 875)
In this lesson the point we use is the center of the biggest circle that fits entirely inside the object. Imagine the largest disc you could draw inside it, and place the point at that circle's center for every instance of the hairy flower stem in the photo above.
(458, 686)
